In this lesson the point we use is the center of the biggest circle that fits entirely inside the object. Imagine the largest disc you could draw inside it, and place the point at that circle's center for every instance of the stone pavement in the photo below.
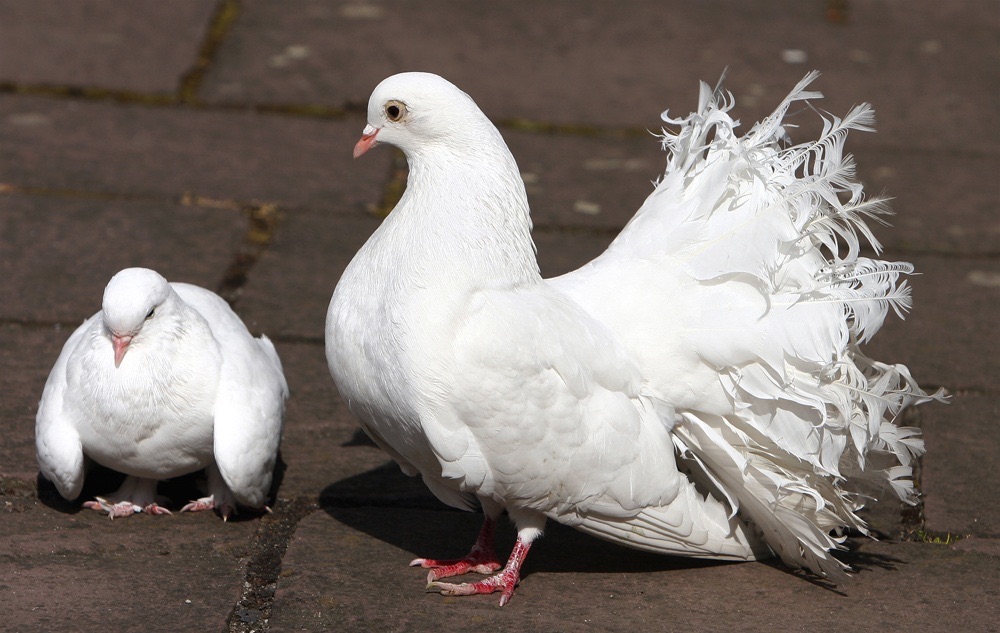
(212, 142)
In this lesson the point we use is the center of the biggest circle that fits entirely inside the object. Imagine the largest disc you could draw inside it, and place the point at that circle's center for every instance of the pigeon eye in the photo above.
(150, 314)
(394, 111)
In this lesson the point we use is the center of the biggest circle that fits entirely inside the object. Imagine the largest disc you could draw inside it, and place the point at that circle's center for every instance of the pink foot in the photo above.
(123, 508)
(505, 582)
(482, 559)
(153, 508)
(208, 503)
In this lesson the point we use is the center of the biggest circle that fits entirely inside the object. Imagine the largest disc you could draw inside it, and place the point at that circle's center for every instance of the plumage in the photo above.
(165, 380)
(698, 389)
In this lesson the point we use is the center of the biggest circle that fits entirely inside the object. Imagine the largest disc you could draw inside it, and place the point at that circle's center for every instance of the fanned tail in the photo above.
(774, 232)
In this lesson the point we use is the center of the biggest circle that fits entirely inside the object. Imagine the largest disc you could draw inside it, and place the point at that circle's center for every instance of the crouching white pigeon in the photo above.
(696, 390)
(165, 380)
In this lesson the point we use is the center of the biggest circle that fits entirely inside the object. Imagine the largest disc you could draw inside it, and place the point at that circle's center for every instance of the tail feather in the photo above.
(794, 509)
(765, 240)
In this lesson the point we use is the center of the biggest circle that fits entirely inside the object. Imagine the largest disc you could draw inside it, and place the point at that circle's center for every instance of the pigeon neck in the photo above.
(472, 211)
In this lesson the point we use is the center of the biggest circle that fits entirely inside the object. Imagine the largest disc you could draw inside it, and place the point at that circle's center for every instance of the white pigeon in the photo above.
(165, 380)
(696, 390)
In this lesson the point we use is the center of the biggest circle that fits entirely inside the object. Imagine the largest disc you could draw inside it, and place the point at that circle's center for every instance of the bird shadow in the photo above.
(379, 501)
(100, 481)
(364, 501)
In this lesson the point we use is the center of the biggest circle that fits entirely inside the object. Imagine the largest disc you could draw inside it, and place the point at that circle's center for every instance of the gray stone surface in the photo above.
(94, 146)
(67, 571)
(59, 252)
(945, 337)
(961, 471)
(113, 154)
(621, 64)
(302, 267)
(342, 558)
(139, 46)
(27, 353)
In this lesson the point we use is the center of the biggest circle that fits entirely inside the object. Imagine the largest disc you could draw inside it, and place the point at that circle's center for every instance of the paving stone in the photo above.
(293, 281)
(954, 214)
(943, 338)
(560, 252)
(961, 470)
(79, 571)
(343, 565)
(141, 46)
(586, 182)
(27, 354)
(142, 151)
(59, 253)
(623, 63)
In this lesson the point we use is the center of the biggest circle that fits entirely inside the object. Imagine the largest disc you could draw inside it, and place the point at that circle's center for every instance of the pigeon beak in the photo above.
(120, 342)
(367, 141)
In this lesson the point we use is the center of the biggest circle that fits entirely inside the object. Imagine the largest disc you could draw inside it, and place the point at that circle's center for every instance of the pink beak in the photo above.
(120, 343)
(367, 141)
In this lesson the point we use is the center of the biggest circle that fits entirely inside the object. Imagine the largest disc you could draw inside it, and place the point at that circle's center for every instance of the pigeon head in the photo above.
(131, 301)
(417, 111)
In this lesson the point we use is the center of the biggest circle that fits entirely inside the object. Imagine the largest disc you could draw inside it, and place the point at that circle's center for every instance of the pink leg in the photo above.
(504, 582)
(482, 559)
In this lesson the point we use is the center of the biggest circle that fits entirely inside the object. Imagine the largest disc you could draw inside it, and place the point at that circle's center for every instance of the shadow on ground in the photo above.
(447, 533)
(443, 532)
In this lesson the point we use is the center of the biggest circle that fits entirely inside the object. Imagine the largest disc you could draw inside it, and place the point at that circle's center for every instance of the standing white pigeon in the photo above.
(165, 380)
(696, 390)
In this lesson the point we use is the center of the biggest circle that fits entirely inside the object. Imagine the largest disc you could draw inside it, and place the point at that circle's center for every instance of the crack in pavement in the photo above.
(225, 14)
(263, 220)
(252, 611)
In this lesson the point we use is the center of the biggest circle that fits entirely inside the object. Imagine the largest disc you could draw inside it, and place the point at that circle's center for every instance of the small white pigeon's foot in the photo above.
(505, 582)
(482, 559)
(120, 509)
(199, 505)
(220, 498)
(225, 509)
(135, 495)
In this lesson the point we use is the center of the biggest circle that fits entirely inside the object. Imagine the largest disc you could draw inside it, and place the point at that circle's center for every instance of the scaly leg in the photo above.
(481, 559)
(506, 581)
(529, 527)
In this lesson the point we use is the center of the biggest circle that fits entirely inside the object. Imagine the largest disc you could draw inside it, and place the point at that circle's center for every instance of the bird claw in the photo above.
(462, 567)
(120, 509)
(479, 561)
(226, 510)
(503, 582)
(198, 505)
